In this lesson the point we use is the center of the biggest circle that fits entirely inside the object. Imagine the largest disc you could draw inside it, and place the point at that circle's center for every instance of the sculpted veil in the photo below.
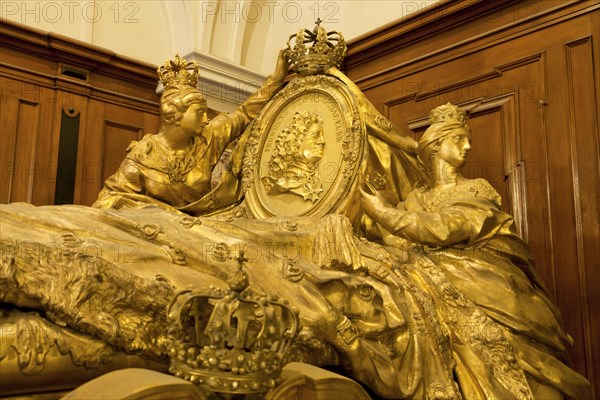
(416, 293)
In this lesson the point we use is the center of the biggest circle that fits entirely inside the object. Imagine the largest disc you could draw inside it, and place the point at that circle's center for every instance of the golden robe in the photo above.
(506, 335)
(458, 314)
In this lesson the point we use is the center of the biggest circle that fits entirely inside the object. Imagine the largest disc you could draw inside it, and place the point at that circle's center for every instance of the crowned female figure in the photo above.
(173, 168)
(506, 335)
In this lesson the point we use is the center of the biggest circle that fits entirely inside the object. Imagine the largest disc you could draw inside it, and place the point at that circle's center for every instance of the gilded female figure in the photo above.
(506, 335)
(173, 168)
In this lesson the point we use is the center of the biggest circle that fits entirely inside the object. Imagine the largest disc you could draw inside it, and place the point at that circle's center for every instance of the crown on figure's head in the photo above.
(178, 72)
(230, 341)
(447, 113)
(328, 49)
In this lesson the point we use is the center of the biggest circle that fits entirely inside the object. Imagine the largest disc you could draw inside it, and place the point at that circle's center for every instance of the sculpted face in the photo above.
(313, 144)
(194, 119)
(454, 149)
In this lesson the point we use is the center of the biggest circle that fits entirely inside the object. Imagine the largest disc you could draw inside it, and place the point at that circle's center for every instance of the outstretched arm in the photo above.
(274, 82)
(230, 126)
(225, 128)
(430, 228)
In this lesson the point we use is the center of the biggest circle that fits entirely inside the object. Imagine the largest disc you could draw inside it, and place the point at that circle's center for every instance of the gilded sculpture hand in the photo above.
(282, 66)
(372, 204)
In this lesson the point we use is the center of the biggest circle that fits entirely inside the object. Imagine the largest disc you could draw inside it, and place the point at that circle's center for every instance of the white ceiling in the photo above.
(246, 33)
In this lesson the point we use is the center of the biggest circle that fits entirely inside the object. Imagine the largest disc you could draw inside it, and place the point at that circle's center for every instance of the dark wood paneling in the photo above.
(8, 121)
(26, 134)
(115, 98)
(26, 120)
(585, 153)
(527, 71)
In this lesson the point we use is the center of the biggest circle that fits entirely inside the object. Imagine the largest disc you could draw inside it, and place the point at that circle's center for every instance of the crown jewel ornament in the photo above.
(178, 72)
(328, 50)
(447, 113)
(230, 341)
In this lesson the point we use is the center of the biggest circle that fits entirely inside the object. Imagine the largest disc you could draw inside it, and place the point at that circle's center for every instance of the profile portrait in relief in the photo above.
(293, 166)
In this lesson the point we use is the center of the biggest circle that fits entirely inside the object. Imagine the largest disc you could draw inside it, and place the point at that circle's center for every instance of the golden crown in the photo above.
(447, 113)
(328, 50)
(178, 72)
(230, 341)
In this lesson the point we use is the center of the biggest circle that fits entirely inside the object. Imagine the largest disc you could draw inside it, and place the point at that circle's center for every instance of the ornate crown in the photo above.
(230, 341)
(178, 72)
(319, 57)
(447, 113)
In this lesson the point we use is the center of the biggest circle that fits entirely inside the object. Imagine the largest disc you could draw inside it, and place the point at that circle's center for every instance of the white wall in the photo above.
(242, 32)
(238, 38)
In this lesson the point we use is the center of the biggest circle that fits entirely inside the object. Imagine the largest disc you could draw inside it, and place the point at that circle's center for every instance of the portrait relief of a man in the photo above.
(293, 167)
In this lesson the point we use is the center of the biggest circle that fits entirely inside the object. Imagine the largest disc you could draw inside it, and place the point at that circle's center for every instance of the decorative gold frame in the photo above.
(345, 135)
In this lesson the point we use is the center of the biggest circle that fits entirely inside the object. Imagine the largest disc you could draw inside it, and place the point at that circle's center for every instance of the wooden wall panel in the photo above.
(114, 102)
(8, 121)
(90, 154)
(25, 147)
(585, 154)
(527, 71)
(26, 118)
